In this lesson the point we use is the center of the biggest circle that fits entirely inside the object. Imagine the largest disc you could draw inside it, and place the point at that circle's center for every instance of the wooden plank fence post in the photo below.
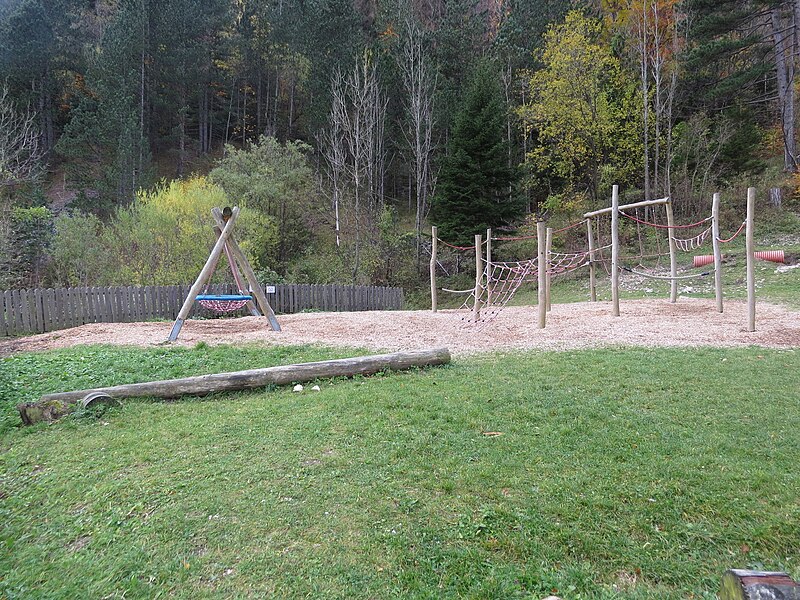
(4, 308)
(47, 308)
(37, 300)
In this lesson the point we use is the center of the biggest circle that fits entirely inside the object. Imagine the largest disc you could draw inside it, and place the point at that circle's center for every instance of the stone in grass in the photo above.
(297, 388)
(552, 598)
(315, 388)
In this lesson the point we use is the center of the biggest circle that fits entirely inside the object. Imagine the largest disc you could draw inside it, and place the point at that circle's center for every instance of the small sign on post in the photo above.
(270, 289)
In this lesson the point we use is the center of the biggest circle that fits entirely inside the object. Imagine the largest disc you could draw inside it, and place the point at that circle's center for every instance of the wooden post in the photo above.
(717, 252)
(548, 246)
(489, 285)
(434, 245)
(592, 281)
(615, 251)
(673, 259)
(751, 277)
(255, 286)
(476, 309)
(541, 264)
(205, 273)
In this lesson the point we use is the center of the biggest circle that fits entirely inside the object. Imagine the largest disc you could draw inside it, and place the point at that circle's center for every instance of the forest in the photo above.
(344, 129)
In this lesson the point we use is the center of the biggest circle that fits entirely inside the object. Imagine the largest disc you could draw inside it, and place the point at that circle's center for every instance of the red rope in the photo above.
(659, 226)
(730, 239)
(457, 247)
(569, 227)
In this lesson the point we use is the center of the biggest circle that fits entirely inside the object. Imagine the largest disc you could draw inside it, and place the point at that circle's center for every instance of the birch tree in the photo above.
(654, 28)
(419, 84)
(356, 155)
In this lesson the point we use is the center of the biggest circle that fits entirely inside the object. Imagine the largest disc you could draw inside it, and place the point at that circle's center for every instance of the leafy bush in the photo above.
(27, 233)
(77, 254)
(277, 182)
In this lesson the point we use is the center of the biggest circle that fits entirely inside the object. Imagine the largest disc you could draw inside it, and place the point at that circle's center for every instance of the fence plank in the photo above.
(80, 305)
(72, 307)
(8, 314)
(3, 315)
(47, 309)
(37, 310)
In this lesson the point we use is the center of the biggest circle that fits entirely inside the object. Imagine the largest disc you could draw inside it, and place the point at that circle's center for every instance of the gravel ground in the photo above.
(651, 323)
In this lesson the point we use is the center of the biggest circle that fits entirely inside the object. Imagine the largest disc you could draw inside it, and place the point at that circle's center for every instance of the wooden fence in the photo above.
(24, 312)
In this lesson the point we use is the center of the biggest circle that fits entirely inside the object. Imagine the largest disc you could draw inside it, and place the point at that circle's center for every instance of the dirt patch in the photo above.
(650, 323)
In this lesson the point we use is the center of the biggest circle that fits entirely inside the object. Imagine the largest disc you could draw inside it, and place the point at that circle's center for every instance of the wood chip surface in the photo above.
(648, 323)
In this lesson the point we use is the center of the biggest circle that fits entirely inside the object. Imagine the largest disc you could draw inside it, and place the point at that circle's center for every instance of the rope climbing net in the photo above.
(502, 280)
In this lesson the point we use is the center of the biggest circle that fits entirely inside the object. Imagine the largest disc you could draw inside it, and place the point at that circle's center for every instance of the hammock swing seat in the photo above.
(223, 303)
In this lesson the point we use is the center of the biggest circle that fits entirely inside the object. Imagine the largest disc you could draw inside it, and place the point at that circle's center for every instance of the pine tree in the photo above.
(473, 187)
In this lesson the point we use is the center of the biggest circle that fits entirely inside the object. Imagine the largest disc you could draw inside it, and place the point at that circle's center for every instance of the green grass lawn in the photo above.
(625, 473)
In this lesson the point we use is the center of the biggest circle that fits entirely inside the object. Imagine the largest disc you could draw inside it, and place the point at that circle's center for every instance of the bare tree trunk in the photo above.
(291, 111)
(244, 114)
(420, 89)
(275, 103)
(784, 39)
(258, 104)
(644, 79)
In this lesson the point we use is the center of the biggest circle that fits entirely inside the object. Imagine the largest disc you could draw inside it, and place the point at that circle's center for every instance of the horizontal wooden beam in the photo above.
(53, 406)
(603, 211)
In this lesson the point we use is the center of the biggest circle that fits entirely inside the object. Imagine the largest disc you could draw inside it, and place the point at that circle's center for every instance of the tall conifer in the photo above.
(473, 187)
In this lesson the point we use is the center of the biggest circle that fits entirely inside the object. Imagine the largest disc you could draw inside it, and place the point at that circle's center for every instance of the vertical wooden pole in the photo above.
(751, 278)
(541, 265)
(592, 281)
(548, 246)
(489, 267)
(434, 246)
(476, 309)
(615, 251)
(673, 258)
(717, 252)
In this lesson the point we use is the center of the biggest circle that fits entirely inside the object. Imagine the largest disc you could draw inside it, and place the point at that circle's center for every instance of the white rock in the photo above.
(297, 388)
(315, 388)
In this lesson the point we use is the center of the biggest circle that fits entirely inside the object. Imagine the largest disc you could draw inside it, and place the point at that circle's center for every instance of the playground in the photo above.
(691, 322)
(536, 463)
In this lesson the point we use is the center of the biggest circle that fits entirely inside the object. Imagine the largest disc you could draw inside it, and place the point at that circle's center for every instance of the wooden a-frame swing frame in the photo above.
(223, 227)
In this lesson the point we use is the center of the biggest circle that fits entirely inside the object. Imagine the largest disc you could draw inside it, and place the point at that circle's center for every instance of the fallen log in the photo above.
(53, 406)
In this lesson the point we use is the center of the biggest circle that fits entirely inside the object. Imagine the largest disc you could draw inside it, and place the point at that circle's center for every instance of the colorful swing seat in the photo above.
(223, 303)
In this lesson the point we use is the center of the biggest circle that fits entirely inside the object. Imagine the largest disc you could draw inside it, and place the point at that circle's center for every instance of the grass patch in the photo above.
(618, 474)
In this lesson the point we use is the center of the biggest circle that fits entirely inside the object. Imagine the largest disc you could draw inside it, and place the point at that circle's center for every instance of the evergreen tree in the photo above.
(475, 180)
